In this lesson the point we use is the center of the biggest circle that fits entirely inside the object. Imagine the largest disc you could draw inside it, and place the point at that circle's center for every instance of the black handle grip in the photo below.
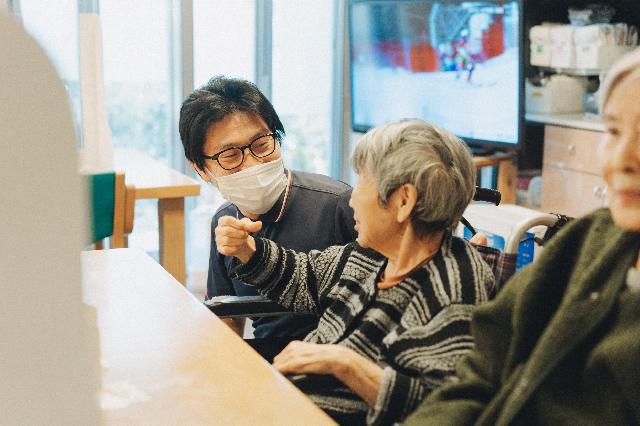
(488, 195)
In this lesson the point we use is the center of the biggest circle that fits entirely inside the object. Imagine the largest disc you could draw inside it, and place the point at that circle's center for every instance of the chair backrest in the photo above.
(112, 208)
(502, 264)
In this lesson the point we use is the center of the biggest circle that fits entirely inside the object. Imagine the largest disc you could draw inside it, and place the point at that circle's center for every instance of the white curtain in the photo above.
(97, 151)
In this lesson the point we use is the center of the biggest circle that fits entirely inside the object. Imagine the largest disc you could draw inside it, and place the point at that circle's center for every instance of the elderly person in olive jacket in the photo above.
(561, 343)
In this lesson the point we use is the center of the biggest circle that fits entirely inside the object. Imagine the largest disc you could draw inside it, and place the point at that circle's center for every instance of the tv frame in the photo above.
(477, 146)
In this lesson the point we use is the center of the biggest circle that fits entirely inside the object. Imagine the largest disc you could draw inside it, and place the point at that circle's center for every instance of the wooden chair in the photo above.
(113, 208)
(507, 173)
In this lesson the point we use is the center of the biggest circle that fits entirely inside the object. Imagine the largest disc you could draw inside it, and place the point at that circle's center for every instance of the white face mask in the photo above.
(254, 190)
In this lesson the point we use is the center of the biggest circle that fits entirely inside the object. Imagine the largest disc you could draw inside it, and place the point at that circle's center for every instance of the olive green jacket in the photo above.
(559, 345)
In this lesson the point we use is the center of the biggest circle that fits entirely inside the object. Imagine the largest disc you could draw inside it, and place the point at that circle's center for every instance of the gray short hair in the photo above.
(430, 158)
(627, 66)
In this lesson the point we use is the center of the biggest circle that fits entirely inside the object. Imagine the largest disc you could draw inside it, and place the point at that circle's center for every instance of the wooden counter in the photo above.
(166, 359)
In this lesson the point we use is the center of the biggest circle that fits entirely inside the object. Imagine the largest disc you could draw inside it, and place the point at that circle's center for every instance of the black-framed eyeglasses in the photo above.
(233, 157)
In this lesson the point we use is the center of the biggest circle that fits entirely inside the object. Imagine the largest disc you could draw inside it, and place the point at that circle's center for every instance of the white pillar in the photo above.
(49, 353)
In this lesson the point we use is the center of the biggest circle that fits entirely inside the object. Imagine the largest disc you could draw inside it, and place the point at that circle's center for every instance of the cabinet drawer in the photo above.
(575, 149)
(571, 193)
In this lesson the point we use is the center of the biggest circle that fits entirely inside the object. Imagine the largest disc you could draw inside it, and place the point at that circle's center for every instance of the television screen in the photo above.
(452, 63)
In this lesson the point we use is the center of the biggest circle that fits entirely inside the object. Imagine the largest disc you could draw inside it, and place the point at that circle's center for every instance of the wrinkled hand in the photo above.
(302, 357)
(360, 374)
(233, 237)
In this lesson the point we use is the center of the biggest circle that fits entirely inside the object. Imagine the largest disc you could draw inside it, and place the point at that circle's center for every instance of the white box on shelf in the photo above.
(560, 95)
(598, 46)
(540, 54)
(563, 53)
(589, 56)
(540, 42)
(592, 45)
(599, 57)
(596, 34)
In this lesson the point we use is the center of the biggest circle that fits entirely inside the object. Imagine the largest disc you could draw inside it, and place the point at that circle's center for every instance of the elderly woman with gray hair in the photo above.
(394, 306)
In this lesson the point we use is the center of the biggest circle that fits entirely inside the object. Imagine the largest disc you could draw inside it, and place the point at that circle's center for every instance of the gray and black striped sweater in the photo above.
(417, 330)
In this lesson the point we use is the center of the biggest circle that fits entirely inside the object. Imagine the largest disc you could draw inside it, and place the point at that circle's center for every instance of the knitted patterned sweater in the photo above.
(417, 330)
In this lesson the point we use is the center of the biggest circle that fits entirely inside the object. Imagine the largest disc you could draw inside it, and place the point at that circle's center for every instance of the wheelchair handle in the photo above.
(488, 195)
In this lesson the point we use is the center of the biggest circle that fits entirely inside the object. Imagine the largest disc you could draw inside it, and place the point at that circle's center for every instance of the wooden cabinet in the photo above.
(572, 182)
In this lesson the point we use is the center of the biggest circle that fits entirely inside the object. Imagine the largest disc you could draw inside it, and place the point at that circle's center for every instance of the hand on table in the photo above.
(302, 357)
(360, 374)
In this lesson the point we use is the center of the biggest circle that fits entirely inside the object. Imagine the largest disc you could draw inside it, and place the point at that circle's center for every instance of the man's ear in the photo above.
(205, 176)
(406, 199)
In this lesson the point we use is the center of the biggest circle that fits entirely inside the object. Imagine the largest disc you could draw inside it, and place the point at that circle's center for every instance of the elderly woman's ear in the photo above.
(404, 199)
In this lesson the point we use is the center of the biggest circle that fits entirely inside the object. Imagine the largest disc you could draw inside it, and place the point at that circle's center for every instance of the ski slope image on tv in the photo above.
(451, 63)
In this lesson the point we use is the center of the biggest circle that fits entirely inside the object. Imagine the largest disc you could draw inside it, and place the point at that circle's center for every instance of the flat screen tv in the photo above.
(457, 64)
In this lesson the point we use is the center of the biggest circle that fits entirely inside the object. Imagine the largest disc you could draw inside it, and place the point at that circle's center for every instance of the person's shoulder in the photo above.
(601, 217)
(319, 183)
(226, 209)
(461, 250)
(353, 260)
(599, 222)
(353, 248)
(452, 242)
(455, 246)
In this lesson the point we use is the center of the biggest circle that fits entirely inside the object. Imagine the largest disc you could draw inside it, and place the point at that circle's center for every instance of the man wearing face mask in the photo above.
(231, 135)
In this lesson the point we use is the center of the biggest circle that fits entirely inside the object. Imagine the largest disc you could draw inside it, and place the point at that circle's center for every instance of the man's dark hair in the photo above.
(215, 100)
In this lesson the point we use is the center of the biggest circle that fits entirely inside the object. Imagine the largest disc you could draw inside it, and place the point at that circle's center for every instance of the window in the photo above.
(302, 80)
(136, 37)
(223, 39)
(301, 73)
(284, 46)
(138, 87)
(54, 25)
(223, 43)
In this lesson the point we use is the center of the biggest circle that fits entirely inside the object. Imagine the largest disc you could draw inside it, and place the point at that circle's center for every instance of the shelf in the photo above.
(581, 72)
(577, 120)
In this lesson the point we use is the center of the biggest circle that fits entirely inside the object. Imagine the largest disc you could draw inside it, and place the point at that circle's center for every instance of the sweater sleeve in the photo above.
(419, 361)
(297, 281)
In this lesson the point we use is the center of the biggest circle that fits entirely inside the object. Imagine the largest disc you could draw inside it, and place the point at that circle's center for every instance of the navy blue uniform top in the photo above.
(317, 215)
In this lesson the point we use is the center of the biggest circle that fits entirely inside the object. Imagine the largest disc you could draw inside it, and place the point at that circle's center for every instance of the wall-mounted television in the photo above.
(457, 64)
